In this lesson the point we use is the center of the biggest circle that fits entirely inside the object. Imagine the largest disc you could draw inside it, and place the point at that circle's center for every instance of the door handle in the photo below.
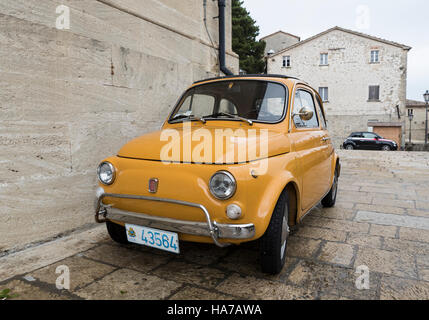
(326, 139)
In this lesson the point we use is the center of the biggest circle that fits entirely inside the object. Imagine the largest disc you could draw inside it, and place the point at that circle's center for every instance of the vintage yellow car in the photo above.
(239, 159)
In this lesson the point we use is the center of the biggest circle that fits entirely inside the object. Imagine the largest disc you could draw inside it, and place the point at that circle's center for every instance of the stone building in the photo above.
(73, 96)
(278, 41)
(362, 80)
(418, 125)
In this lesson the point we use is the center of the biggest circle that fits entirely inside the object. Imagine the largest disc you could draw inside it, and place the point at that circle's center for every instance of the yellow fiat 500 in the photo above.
(239, 159)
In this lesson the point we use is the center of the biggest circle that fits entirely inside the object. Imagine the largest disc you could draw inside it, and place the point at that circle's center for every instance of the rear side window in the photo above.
(321, 114)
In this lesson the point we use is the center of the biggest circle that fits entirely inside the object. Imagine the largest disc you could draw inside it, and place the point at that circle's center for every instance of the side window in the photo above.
(305, 99)
(286, 61)
(321, 115)
(368, 135)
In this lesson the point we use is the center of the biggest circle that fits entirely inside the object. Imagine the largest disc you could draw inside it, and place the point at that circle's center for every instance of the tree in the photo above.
(244, 33)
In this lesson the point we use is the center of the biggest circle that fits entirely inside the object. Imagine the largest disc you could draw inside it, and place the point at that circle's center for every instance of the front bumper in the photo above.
(209, 228)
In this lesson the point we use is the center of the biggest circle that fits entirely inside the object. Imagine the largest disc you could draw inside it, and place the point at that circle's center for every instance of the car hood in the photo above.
(170, 145)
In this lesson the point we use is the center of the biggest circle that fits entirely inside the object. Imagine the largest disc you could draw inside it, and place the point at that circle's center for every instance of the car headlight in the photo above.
(222, 185)
(106, 173)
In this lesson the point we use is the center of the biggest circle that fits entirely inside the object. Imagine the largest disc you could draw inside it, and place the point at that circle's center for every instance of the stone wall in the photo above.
(278, 41)
(418, 125)
(70, 98)
(348, 77)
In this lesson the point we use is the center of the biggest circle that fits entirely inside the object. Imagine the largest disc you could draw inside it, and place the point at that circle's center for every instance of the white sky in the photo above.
(403, 21)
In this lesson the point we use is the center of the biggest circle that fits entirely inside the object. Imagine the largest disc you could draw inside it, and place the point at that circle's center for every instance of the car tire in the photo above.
(273, 243)
(117, 232)
(386, 148)
(349, 147)
(329, 200)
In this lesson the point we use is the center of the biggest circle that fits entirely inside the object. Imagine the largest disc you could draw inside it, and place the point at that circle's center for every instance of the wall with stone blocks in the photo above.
(418, 126)
(70, 98)
(279, 41)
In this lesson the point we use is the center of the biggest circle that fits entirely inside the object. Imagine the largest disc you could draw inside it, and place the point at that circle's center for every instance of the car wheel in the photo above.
(273, 244)
(349, 147)
(329, 200)
(385, 148)
(117, 232)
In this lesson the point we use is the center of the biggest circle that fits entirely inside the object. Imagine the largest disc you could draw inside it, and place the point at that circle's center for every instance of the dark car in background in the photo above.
(369, 141)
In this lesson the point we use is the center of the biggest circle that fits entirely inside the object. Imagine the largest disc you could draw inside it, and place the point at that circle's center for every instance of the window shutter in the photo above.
(374, 92)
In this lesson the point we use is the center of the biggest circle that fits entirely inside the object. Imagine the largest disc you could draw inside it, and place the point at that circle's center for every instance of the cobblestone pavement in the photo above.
(381, 220)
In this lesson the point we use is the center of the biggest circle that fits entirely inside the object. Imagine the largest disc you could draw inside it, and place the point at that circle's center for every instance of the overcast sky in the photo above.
(403, 21)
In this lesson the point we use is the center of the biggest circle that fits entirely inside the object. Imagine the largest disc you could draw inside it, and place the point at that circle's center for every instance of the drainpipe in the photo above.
(222, 54)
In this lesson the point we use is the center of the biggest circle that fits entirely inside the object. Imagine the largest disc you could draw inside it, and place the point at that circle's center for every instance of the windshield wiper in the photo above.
(250, 122)
(183, 116)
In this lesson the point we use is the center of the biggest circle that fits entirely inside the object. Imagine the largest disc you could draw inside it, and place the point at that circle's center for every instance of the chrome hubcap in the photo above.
(285, 233)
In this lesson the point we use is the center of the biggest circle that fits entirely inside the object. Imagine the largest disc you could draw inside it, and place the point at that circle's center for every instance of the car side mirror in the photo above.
(305, 114)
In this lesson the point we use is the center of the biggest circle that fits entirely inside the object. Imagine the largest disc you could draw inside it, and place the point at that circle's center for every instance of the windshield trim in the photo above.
(180, 101)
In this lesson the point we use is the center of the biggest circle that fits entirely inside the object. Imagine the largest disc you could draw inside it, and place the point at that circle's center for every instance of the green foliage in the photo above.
(244, 33)
(5, 294)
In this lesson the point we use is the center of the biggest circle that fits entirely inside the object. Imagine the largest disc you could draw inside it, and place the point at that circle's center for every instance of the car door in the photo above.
(357, 139)
(327, 168)
(306, 138)
(369, 141)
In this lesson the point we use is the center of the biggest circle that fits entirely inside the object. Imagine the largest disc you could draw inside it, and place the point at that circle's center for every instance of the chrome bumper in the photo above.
(209, 228)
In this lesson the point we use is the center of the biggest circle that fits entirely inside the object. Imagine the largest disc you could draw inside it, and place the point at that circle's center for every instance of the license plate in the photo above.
(159, 239)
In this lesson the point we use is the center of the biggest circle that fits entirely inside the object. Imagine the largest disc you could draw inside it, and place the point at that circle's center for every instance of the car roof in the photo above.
(248, 76)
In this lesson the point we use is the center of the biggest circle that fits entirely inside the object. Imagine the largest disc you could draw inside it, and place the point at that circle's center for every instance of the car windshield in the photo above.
(233, 100)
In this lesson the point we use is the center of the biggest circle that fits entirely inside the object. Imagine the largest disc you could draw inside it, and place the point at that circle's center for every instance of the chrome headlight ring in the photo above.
(106, 173)
(222, 185)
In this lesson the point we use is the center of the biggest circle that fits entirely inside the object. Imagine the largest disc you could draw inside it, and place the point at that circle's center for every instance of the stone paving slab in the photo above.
(51, 252)
(384, 228)
(393, 220)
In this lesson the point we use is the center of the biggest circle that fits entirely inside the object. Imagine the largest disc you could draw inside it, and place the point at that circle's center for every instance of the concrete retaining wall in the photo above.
(69, 98)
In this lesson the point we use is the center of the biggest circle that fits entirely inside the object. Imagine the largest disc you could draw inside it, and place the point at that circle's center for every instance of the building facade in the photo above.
(278, 41)
(73, 93)
(361, 79)
(418, 124)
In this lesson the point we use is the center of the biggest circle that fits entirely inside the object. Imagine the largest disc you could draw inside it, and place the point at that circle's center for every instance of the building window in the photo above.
(286, 61)
(323, 92)
(374, 93)
(323, 59)
(375, 56)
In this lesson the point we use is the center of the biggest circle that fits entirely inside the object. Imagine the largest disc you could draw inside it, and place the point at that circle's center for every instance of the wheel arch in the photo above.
(338, 165)
(293, 194)
(284, 182)
(292, 188)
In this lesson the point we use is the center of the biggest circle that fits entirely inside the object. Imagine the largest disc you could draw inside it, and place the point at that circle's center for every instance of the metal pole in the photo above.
(222, 49)
(426, 128)
(410, 129)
